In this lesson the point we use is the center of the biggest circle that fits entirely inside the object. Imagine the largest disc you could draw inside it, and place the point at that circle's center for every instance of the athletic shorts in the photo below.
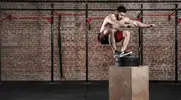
(103, 39)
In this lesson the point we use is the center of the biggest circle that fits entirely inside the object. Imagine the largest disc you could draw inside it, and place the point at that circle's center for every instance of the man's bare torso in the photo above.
(107, 25)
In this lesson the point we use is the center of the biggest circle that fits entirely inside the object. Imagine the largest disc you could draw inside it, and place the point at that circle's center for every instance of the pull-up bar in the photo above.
(89, 9)
(93, 1)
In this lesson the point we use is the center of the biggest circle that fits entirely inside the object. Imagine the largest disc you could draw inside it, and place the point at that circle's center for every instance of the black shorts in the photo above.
(103, 39)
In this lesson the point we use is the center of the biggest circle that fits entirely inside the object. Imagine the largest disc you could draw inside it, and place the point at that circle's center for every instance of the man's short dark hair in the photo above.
(121, 9)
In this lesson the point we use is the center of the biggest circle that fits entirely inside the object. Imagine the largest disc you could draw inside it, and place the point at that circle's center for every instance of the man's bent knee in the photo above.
(126, 33)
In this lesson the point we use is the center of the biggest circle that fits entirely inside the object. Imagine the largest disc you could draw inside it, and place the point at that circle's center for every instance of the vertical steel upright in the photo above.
(52, 43)
(86, 35)
(0, 55)
(176, 43)
(60, 46)
(141, 38)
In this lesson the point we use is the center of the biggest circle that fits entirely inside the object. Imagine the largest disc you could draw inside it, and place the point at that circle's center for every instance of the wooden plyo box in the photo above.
(129, 83)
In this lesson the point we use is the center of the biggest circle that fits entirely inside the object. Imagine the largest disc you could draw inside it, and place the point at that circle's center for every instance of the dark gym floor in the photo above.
(78, 91)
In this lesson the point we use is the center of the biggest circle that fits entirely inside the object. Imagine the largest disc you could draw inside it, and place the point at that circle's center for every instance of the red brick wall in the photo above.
(25, 44)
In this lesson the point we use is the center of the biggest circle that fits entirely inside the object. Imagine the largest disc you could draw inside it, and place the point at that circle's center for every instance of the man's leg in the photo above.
(126, 35)
(112, 40)
(125, 42)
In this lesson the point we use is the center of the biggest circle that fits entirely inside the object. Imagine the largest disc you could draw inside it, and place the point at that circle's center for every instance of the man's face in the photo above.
(121, 14)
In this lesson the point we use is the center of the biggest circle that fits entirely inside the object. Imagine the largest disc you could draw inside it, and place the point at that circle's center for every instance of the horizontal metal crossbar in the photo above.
(90, 9)
(95, 1)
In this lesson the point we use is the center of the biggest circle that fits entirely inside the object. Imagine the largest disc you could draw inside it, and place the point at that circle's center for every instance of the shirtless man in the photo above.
(111, 33)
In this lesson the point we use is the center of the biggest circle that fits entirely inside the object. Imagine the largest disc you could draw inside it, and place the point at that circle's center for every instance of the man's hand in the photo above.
(151, 25)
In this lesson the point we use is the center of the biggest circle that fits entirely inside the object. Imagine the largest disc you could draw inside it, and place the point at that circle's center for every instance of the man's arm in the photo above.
(140, 24)
(103, 26)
